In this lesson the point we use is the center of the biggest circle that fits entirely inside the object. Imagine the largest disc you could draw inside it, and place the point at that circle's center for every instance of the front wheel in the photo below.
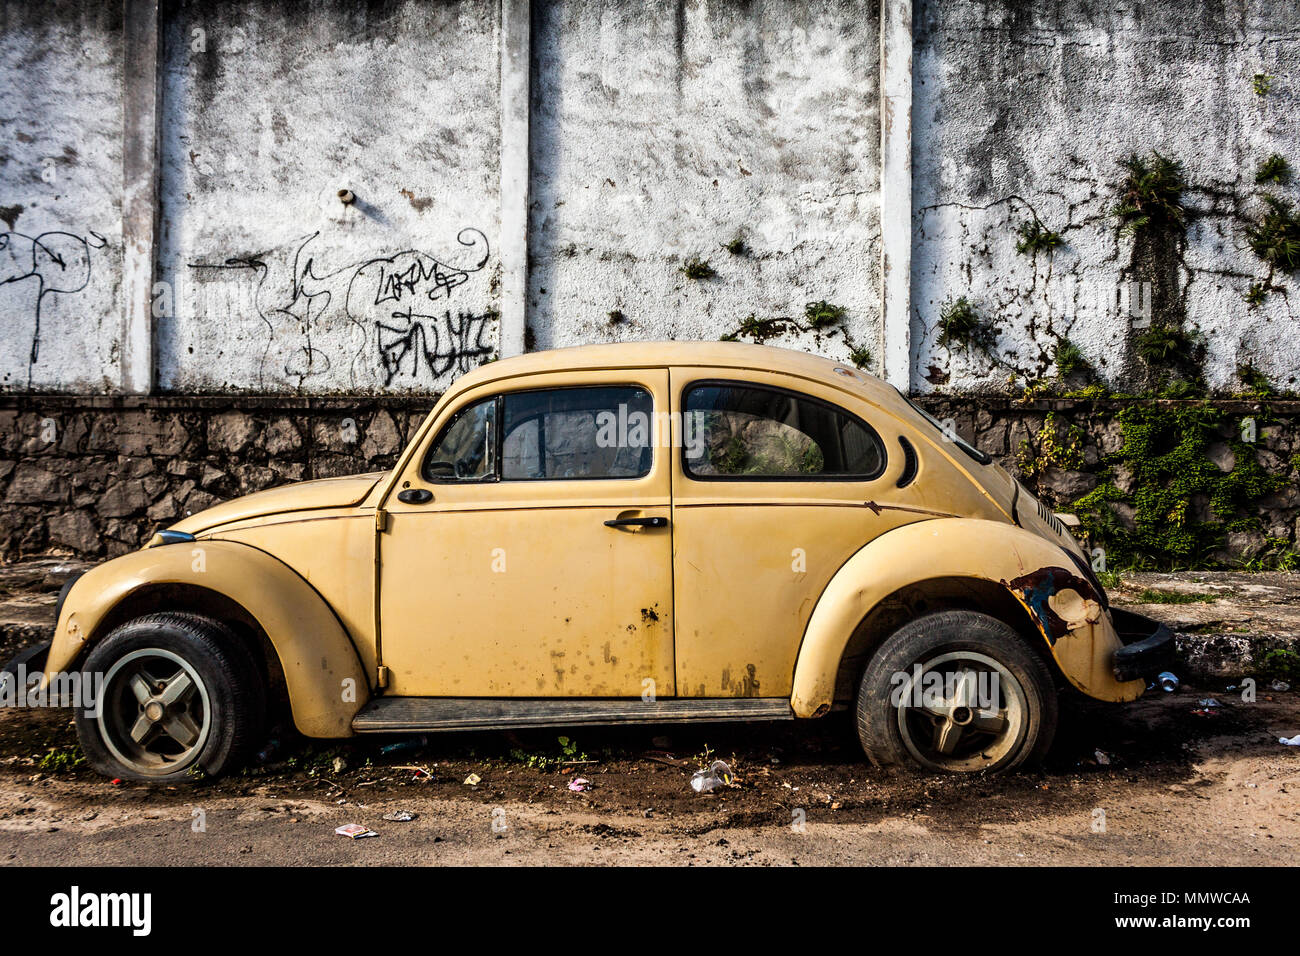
(956, 691)
(175, 693)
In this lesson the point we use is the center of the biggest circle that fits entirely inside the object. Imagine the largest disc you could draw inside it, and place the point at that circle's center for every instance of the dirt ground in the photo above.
(1171, 786)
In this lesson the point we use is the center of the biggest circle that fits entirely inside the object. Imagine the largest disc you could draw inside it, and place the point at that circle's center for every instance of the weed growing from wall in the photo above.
(1151, 196)
(1034, 238)
(697, 269)
(1275, 238)
(1275, 170)
(961, 326)
(823, 315)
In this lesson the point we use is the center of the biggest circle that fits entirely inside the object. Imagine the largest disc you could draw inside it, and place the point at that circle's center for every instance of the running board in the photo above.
(409, 714)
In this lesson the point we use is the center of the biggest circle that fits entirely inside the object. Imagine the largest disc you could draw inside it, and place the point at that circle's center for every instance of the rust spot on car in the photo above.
(1037, 589)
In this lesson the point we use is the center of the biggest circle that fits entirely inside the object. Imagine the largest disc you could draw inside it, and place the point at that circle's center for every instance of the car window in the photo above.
(748, 431)
(465, 450)
(596, 432)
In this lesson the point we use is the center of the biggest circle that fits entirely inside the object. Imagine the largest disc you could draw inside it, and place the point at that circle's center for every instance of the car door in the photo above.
(770, 493)
(528, 551)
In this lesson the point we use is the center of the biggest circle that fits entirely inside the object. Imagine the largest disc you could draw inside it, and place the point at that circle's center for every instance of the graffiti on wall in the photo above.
(403, 312)
(34, 267)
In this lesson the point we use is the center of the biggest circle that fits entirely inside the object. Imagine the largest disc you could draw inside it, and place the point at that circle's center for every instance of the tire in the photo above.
(995, 708)
(180, 693)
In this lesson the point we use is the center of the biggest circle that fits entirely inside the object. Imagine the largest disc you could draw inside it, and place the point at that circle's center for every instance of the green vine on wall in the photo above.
(1182, 504)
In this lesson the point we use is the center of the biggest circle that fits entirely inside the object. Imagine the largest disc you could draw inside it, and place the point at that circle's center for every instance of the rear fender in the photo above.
(1063, 607)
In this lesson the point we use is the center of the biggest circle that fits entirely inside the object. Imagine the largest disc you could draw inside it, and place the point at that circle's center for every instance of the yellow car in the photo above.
(649, 532)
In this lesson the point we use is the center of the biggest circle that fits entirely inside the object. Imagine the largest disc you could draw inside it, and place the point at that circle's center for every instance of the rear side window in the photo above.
(735, 430)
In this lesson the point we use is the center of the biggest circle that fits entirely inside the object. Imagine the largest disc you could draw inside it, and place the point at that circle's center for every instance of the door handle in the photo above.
(415, 496)
(655, 522)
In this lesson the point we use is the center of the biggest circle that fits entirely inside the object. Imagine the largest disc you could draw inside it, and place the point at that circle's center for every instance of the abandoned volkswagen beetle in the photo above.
(609, 534)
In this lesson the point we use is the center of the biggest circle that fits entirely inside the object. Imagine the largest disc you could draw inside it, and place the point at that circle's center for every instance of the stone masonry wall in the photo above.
(96, 477)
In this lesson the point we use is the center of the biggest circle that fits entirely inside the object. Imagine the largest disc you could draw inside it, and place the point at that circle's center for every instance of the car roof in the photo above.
(737, 355)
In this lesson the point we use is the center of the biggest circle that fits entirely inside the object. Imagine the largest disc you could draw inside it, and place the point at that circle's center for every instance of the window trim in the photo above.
(499, 437)
(800, 396)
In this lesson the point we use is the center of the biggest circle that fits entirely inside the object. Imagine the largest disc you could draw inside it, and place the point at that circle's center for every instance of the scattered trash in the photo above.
(1290, 741)
(355, 831)
(473, 780)
(1206, 712)
(666, 758)
(340, 765)
(400, 816)
(411, 743)
(718, 775)
(1102, 758)
(1168, 682)
(579, 784)
(267, 753)
(421, 773)
(1207, 702)
(1279, 685)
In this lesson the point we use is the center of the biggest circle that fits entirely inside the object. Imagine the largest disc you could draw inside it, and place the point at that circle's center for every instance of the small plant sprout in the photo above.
(1036, 238)
(1069, 359)
(960, 325)
(1275, 170)
(1256, 294)
(697, 269)
(1151, 193)
(736, 246)
(1254, 381)
(1162, 345)
(760, 330)
(1276, 237)
(822, 314)
(1262, 83)
(860, 356)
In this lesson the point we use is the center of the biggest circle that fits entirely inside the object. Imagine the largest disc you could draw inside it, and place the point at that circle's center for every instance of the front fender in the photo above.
(312, 646)
(1038, 573)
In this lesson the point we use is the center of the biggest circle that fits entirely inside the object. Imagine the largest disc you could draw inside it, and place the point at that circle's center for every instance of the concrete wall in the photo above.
(1024, 109)
(60, 196)
(661, 132)
(268, 110)
(656, 133)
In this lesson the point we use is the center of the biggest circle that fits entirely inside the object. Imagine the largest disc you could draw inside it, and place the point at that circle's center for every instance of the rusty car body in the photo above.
(789, 536)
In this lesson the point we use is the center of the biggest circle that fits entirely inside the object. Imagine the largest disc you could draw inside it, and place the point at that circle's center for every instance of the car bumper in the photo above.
(1148, 646)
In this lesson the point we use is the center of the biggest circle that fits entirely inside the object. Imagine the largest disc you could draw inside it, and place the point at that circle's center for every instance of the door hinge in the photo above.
(381, 676)
(381, 519)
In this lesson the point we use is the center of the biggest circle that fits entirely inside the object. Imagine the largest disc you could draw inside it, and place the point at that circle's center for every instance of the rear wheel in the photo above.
(956, 691)
(179, 692)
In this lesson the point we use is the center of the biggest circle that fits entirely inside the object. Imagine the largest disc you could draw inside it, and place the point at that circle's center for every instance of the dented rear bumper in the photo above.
(1148, 646)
